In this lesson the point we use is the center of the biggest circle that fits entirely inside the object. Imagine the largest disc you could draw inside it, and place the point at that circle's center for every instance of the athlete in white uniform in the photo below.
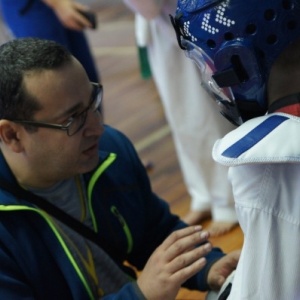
(249, 53)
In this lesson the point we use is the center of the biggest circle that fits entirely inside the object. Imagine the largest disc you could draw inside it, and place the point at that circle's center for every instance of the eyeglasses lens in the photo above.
(95, 104)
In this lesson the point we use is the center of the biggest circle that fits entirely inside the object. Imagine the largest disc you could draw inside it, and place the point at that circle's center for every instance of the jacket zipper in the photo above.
(108, 161)
(125, 227)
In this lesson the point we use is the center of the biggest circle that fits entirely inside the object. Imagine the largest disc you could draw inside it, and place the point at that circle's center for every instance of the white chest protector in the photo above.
(268, 139)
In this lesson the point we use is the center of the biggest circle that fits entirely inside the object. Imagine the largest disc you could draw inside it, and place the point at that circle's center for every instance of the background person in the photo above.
(194, 122)
(57, 20)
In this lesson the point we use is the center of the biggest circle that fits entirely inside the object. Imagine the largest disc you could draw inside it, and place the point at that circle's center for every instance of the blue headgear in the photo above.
(235, 43)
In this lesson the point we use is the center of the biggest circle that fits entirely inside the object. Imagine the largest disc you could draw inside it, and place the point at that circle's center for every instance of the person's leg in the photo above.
(41, 22)
(38, 21)
(195, 124)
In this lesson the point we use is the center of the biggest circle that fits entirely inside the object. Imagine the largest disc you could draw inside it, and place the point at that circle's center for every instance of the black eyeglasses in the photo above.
(76, 122)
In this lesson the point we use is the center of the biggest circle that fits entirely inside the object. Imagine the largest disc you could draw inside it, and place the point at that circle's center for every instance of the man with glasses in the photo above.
(76, 121)
(55, 149)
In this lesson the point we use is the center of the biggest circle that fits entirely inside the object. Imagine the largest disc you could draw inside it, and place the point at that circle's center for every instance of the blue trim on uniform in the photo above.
(254, 136)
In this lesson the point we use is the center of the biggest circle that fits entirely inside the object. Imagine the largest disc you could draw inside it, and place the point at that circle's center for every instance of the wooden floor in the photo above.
(132, 105)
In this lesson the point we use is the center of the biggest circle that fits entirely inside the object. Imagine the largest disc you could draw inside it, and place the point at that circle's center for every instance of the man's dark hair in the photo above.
(18, 57)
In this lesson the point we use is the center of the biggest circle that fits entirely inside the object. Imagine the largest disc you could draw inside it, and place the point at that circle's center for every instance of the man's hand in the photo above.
(68, 13)
(221, 269)
(173, 262)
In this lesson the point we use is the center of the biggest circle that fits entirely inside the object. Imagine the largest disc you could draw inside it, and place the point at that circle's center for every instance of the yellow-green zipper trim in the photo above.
(109, 160)
(58, 236)
(126, 229)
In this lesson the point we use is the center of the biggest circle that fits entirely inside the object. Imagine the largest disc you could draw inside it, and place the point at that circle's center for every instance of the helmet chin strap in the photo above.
(289, 104)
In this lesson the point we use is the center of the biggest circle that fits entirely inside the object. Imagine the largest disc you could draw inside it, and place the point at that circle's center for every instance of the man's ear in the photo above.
(10, 135)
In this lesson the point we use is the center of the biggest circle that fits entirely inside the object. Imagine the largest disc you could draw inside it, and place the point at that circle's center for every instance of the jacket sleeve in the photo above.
(129, 291)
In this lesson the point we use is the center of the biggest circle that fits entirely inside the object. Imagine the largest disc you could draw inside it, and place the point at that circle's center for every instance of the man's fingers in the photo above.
(178, 258)
(186, 259)
(179, 234)
(185, 272)
(182, 241)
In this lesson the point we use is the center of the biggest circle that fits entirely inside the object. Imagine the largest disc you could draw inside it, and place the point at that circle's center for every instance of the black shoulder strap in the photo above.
(52, 210)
